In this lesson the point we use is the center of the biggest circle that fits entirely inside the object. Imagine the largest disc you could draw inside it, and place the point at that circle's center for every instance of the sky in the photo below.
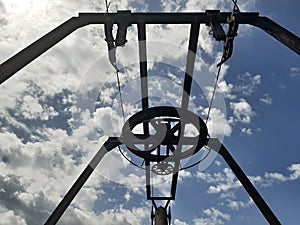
(58, 111)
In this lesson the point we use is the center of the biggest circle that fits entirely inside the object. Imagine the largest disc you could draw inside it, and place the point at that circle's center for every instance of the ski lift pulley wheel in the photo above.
(169, 125)
(162, 168)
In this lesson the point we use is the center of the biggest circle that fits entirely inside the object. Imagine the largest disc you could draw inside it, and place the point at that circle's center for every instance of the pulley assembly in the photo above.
(162, 136)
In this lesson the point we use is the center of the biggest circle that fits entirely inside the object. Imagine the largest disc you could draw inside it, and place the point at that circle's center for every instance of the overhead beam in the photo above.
(28, 54)
(278, 32)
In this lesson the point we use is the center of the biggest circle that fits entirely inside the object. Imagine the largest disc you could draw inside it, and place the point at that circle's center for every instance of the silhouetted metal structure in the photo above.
(168, 122)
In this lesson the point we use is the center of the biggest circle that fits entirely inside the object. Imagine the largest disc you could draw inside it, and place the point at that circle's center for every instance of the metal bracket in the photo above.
(217, 30)
(231, 34)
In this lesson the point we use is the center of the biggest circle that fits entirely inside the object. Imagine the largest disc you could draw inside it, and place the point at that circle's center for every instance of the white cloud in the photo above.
(237, 205)
(218, 163)
(57, 156)
(214, 216)
(127, 196)
(86, 197)
(218, 125)
(242, 111)
(223, 181)
(32, 109)
(121, 216)
(103, 120)
(295, 168)
(295, 71)
(213, 212)
(247, 131)
(226, 183)
(228, 195)
(266, 99)
(276, 176)
(172, 6)
(8, 217)
(178, 222)
(247, 83)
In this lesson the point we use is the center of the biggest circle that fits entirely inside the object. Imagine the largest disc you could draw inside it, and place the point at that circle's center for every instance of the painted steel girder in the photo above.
(28, 54)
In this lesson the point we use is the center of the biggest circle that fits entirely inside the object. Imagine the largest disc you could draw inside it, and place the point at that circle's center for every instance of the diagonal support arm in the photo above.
(215, 145)
(110, 144)
(278, 32)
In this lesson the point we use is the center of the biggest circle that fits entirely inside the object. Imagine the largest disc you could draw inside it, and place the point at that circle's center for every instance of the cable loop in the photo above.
(235, 7)
(213, 95)
(107, 5)
(121, 98)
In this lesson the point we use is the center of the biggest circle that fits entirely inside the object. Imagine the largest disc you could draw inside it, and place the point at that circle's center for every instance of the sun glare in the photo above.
(25, 6)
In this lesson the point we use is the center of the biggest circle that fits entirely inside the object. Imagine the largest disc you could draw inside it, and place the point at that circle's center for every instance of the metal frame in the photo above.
(123, 19)
(164, 136)
(27, 55)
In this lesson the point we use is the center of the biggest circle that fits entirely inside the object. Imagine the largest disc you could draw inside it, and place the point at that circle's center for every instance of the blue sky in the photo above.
(57, 112)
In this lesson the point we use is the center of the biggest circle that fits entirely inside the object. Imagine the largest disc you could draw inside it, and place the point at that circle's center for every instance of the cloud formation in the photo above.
(44, 147)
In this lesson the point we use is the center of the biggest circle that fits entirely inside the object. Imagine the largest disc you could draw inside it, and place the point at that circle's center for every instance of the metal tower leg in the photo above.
(215, 145)
(110, 144)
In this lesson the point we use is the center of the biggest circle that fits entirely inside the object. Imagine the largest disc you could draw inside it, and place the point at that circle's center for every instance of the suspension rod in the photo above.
(190, 63)
(143, 64)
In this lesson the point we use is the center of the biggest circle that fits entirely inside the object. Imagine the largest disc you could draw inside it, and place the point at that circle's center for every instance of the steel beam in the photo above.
(215, 145)
(143, 64)
(190, 63)
(275, 30)
(28, 54)
(143, 70)
(110, 144)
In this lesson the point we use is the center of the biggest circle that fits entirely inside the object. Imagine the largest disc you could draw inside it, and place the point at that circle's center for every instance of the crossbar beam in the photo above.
(31, 52)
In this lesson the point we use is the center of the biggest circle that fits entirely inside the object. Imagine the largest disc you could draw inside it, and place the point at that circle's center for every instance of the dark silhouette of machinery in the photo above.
(164, 145)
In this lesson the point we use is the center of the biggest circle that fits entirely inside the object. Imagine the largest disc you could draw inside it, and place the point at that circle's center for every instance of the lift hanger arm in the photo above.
(110, 144)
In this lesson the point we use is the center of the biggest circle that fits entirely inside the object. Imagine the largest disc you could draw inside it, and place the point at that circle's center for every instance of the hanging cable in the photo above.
(235, 7)
(121, 98)
(112, 57)
(228, 48)
(213, 95)
(123, 116)
(107, 4)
